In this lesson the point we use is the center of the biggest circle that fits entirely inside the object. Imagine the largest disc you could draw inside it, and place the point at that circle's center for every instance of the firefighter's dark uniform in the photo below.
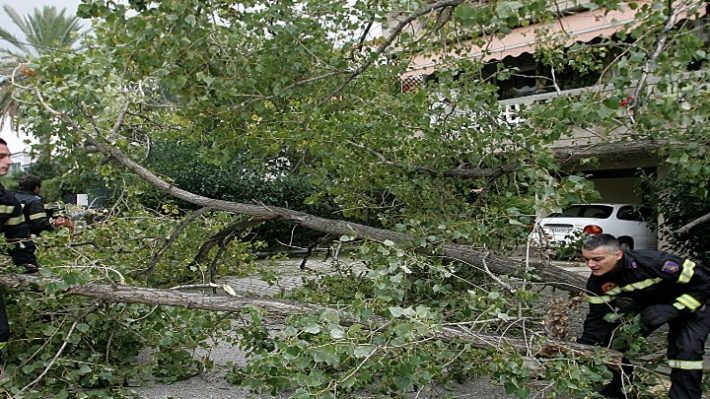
(35, 214)
(11, 218)
(36, 221)
(664, 288)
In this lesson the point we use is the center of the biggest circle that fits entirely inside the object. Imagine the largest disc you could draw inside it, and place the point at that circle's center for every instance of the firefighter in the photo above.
(664, 289)
(11, 218)
(36, 221)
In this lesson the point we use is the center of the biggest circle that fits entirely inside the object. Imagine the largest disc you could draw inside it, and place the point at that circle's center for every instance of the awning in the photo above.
(582, 27)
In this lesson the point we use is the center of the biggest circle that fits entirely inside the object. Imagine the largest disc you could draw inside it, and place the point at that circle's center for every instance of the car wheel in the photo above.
(626, 244)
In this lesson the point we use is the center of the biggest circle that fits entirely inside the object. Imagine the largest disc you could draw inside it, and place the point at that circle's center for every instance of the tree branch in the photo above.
(218, 237)
(686, 228)
(621, 149)
(156, 257)
(658, 48)
(391, 38)
(166, 297)
(119, 121)
(553, 275)
(233, 303)
(462, 173)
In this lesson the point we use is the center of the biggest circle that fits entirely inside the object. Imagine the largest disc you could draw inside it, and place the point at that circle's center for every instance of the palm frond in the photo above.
(6, 35)
(44, 30)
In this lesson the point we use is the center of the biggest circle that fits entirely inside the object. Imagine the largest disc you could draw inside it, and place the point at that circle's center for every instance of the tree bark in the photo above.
(154, 296)
(219, 238)
(621, 149)
(168, 297)
(686, 228)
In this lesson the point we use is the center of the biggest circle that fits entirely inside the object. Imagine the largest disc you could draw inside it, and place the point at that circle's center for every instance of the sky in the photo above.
(24, 7)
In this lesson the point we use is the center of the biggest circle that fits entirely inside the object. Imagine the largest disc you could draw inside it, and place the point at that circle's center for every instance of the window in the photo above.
(585, 211)
(634, 213)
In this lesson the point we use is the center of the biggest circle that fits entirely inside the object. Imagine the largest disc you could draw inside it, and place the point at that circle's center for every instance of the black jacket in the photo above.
(35, 214)
(11, 217)
(647, 277)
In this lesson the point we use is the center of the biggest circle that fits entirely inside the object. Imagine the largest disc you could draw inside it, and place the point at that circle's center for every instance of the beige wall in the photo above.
(619, 189)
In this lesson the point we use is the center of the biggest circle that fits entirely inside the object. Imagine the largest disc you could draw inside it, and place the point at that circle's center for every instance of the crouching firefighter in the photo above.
(664, 288)
(11, 219)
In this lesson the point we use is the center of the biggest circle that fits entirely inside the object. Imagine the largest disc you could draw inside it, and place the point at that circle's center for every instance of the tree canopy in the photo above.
(435, 186)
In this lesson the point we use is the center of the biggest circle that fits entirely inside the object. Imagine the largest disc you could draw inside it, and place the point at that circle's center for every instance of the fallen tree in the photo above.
(230, 301)
(484, 261)
(299, 90)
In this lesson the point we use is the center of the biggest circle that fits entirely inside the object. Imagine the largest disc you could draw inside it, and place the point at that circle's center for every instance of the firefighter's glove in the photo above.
(626, 305)
(655, 316)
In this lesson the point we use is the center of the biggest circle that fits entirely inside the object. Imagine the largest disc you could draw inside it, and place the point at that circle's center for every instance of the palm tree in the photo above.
(44, 30)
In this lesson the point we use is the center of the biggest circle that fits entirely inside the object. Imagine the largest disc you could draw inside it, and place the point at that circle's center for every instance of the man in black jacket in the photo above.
(11, 218)
(36, 221)
(29, 195)
(664, 288)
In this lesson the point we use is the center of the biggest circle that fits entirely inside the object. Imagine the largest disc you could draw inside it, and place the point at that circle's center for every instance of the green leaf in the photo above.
(312, 329)
(503, 9)
(83, 327)
(611, 103)
(506, 8)
(331, 316)
(362, 351)
(336, 332)
(326, 355)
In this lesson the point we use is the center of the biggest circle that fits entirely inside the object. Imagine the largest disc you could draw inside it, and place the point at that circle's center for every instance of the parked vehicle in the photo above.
(627, 222)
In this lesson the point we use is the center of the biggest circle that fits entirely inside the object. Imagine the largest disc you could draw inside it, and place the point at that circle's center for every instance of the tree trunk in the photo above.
(169, 297)
(154, 296)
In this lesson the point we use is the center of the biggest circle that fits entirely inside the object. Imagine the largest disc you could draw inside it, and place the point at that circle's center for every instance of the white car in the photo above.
(626, 222)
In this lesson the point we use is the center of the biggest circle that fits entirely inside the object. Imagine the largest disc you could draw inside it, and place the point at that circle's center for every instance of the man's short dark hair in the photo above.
(29, 183)
(601, 240)
(3, 142)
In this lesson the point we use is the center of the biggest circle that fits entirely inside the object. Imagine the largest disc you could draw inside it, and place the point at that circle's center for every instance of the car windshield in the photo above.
(585, 211)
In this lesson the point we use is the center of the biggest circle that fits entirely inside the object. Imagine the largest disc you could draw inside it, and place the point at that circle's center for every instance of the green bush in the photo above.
(239, 181)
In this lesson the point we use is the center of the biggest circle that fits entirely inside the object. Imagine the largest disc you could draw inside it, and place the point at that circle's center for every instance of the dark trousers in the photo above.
(23, 251)
(686, 347)
(4, 325)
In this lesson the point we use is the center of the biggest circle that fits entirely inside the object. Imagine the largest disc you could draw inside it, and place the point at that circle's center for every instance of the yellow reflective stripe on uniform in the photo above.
(687, 273)
(686, 364)
(3, 345)
(689, 302)
(639, 285)
(678, 305)
(36, 216)
(15, 221)
(596, 300)
(7, 209)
